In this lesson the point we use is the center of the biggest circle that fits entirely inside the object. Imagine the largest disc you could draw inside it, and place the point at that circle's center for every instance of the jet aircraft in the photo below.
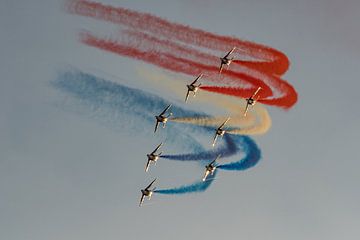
(193, 88)
(147, 192)
(161, 118)
(220, 131)
(226, 60)
(153, 157)
(210, 168)
(251, 101)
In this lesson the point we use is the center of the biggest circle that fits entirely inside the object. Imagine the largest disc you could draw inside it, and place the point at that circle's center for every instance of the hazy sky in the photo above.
(67, 176)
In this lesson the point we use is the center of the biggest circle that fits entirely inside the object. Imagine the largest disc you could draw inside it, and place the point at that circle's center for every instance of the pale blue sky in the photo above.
(66, 176)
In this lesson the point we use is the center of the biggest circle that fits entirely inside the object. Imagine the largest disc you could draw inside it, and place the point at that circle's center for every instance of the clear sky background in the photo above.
(67, 176)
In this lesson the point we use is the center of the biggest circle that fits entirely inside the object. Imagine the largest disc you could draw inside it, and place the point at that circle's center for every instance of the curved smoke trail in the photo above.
(257, 121)
(251, 157)
(176, 47)
(186, 50)
(199, 186)
(230, 149)
(108, 100)
(275, 61)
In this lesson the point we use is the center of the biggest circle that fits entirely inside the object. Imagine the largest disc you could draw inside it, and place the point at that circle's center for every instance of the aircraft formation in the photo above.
(164, 116)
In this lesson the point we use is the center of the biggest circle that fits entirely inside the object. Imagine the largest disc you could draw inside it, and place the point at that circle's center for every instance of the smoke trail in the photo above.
(123, 107)
(275, 91)
(113, 100)
(274, 60)
(204, 121)
(262, 123)
(199, 186)
(162, 43)
(257, 121)
(114, 95)
(258, 128)
(228, 149)
(252, 156)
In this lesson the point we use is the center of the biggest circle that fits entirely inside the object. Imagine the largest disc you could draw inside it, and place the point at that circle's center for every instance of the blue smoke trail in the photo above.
(114, 96)
(199, 186)
(252, 156)
(112, 101)
(228, 149)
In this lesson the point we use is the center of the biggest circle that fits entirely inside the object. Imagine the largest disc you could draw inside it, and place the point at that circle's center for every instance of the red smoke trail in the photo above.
(170, 52)
(277, 61)
(182, 65)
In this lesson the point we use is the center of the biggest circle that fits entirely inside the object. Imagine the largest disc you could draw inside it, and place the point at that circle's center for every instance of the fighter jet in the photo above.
(220, 131)
(146, 192)
(210, 168)
(161, 118)
(251, 101)
(153, 157)
(193, 88)
(226, 60)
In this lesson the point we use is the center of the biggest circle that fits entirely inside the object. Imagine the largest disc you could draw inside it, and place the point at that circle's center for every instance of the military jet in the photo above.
(220, 131)
(210, 168)
(161, 118)
(153, 157)
(146, 193)
(226, 60)
(251, 101)
(193, 88)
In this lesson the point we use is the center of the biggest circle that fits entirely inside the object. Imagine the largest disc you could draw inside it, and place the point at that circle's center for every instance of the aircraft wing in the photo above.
(221, 67)
(157, 148)
(246, 109)
(222, 125)
(227, 67)
(147, 165)
(256, 92)
(230, 52)
(156, 126)
(151, 194)
(214, 141)
(141, 200)
(187, 95)
(215, 159)
(205, 176)
(198, 77)
(150, 184)
(167, 108)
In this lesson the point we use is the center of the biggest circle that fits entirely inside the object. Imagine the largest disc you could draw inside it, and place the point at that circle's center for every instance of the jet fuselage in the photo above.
(193, 88)
(250, 101)
(146, 192)
(210, 168)
(220, 132)
(226, 61)
(153, 157)
(161, 119)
